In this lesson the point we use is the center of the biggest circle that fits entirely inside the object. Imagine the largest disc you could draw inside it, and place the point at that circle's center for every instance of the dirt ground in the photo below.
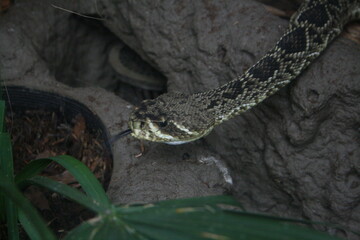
(39, 134)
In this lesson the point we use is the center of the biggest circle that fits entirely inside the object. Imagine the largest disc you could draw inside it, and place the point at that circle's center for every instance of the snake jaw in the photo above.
(151, 131)
(171, 118)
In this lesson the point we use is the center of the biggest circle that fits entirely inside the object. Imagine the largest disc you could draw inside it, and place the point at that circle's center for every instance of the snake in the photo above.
(134, 70)
(177, 118)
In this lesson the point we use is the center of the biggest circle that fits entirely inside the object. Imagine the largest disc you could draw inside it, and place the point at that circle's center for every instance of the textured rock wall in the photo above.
(296, 154)
(61, 48)
(47, 39)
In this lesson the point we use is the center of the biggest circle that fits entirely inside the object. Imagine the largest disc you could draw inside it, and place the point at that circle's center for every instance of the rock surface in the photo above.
(63, 48)
(296, 154)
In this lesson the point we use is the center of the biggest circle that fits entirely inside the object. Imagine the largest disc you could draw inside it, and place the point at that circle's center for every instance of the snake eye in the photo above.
(162, 124)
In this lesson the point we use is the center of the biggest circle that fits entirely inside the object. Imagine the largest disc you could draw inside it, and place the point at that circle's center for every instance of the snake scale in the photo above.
(177, 118)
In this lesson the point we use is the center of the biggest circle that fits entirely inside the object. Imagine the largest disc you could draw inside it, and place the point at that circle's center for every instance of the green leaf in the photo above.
(66, 191)
(200, 223)
(31, 170)
(11, 192)
(83, 175)
(86, 178)
(197, 218)
(210, 201)
(4, 155)
(101, 228)
(12, 219)
(2, 115)
(27, 225)
(7, 171)
(6, 159)
(2, 208)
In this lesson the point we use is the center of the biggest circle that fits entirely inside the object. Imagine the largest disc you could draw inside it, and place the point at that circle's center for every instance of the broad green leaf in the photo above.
(214, 201)
(2, 208)
(86, 178)
(30, 170)
(2, 115)
(3, 158)
(83, 175)
(7, 171)
(27, 225)
(199, 223)
(6, 159)
(66, 191)
(11, 192)
(101, 228)
(191, 219)
(12, 219)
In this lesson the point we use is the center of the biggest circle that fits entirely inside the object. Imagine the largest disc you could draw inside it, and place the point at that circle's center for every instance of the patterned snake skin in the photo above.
(176, 118)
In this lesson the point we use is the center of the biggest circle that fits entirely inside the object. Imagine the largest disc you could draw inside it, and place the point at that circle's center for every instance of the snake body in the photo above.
(176, 118)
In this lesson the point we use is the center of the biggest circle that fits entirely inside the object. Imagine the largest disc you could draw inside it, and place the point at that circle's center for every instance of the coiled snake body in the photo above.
(176, 118)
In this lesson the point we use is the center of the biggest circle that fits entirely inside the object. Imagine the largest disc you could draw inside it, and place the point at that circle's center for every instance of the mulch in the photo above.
(40, 134)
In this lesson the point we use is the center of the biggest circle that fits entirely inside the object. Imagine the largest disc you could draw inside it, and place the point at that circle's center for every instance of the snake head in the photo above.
(171, 118)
